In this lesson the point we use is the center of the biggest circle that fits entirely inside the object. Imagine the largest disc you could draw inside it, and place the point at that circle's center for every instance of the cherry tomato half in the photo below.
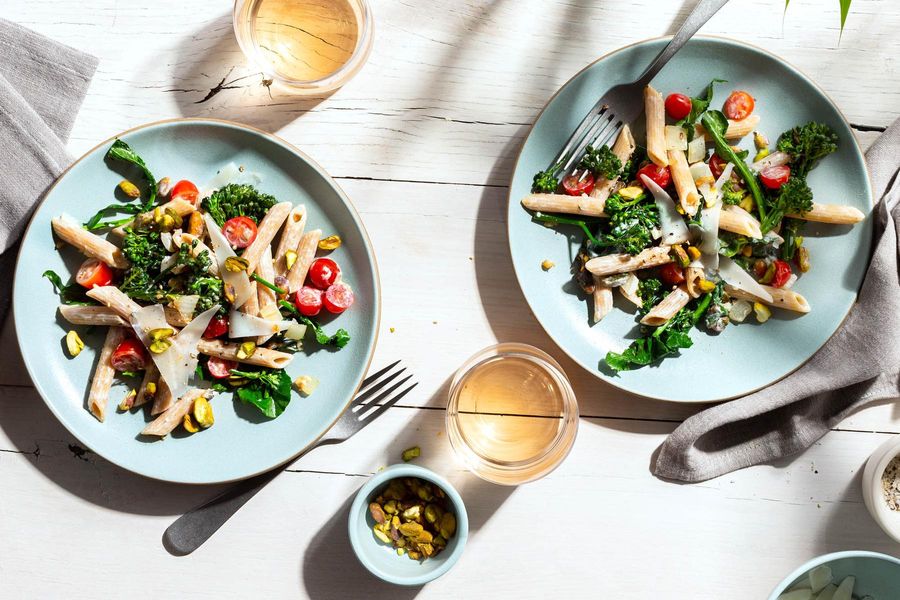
(678, 106)
(323, 273)
(775, 177)
(739, 105)
(782, 273)
(671, 274)
(185, 190)
(308, 301)
(338, 298)
(717, 165)
(660, 175)
(93, 273)
(239, 231)
(220, 368)
(578, 183)
(130, 355)
(218, 326)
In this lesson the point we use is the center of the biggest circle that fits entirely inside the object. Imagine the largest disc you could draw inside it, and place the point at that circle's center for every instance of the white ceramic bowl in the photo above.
(888, 519)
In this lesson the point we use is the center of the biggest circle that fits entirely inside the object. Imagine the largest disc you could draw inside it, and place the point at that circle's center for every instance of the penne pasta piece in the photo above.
(837, 214)
(263, 357)
(180, 207)
(629, 290)
(251, 306)
(656, 126)
(737, 220)
(306, 254)
(560, 203)
(626, 263)
(290, 239)
(102, 381)
(736, 129)
(266, 270)
(623, 149)
(70, 231)
(172, 418)
(151, 375)
(115, 299)
(688, 197)
(163, 399)
(91, 315)
(781, 298)
(265, 233)
(667, 308)
(603, 300)
(692, 277)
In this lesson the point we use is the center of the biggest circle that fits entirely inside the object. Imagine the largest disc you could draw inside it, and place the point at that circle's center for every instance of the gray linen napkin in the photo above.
(42, 85)
(858, 366)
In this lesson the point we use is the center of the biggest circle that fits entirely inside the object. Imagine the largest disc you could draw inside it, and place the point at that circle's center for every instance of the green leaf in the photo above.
(845, 9)
(68, 294)
(340, 338)
(122, 151)
(699, 105)
(716, 124)
(269, 390)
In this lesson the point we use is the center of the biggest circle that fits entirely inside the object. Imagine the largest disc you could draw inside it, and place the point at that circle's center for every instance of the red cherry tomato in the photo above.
(130, 355)
(659, 175)
(220, 368)
(578, 183)
(239, 231)
(671, 274)
(739, 105)
(775, 177)
(338, 298)
(93, 273)
(678, 106)
(218, 326)
(323, 273)
(308, 301)
(782, 273)
(185, 190)
(717, 165)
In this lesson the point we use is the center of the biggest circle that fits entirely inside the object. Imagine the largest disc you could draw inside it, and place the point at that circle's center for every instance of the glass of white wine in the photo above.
(512, 415)
(308, 46)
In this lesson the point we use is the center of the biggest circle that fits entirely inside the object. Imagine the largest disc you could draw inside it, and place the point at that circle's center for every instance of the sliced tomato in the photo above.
(218, 326)
(678, 106)
(782, 273)
(775, 177)
(308, 301)
(220, 368)
(717, 165)
(578, 183)
(323, 273)
(338, 298)
(671, 274)
(185, 190)
(94, 273)
(239, 231)
(660, 175)
(130, 355)
(739, 105)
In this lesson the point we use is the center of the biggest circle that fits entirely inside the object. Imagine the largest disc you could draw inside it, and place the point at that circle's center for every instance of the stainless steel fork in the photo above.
(196, 526)
(624, 103)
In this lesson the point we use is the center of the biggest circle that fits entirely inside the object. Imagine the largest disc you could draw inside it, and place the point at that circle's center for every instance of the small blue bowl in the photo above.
(877, 575)
(382, 559)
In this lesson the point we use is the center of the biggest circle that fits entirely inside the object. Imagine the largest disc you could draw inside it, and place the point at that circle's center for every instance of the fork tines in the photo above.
(367, 405)
(599, 126)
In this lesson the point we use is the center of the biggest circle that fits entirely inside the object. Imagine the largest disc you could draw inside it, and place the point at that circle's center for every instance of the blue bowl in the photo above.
(382, 559)
(877, 575)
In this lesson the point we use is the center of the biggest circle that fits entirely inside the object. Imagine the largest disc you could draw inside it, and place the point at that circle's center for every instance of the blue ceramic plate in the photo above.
(242, 442)
(746, 357)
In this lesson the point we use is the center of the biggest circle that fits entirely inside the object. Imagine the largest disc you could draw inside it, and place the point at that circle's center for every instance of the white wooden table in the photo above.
(424, 140)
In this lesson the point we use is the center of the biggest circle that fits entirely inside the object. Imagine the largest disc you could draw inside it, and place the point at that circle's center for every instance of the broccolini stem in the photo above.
(554, 220)
(268, 284)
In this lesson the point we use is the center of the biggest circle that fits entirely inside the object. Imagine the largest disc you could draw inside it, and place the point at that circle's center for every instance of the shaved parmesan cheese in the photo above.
(696, 149)
(165, 238)
(672, 226)
(776, 159)
(186, 305)
(732, 273)
(296, 331)
(239, 281)
(629, 289)
(230, 173)
(705, 182)
(241, 325)
(676, 138)
(167, 263)
(725, 176)
(709, 235)
(270, 312)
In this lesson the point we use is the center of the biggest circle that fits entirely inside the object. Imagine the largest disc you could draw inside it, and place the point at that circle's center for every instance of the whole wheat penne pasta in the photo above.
(170, 419)
(625, 263)
(266, 270)
(91, 315)
(115, 299)
(656, 125)
(737, 220)
(603, 300)
(688, 196)
(163, 399)
(560, 203)
(70, 231)
(251, 306)
(263, 357)
(837, 214)
(629, 289)
(692, 277)
(290, 239)
(102, 381)
(623, 149)
(736, 129)
(265, 233)
(178, 206)
(151, 377)
(306, 254)
(667, 307)
(781, 298)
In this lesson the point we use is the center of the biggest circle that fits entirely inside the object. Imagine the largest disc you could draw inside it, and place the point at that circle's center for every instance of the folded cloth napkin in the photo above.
(858, 366)
(42, 85)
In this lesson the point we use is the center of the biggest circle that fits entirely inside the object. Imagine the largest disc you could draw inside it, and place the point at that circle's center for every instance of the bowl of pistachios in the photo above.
(408, 525)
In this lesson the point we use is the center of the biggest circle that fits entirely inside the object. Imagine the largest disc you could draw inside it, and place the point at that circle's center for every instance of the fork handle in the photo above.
(702, 13)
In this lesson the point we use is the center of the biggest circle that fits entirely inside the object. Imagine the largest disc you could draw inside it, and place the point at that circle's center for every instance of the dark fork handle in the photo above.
(702, 13)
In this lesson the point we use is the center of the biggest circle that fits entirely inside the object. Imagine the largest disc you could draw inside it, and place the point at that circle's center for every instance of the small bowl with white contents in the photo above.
(850, 575)
(881, 486)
